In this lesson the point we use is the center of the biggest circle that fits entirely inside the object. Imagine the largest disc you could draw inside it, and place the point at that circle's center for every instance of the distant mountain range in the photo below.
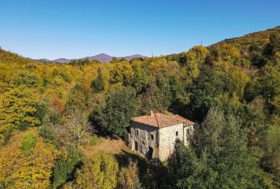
(260, 38)
(104, 58)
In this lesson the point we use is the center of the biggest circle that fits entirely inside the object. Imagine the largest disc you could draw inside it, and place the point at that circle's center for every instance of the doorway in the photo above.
(135, 145)
(149, 155)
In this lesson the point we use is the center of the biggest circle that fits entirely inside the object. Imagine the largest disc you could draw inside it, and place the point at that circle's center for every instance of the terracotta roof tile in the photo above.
(186, 121)
(161, 120)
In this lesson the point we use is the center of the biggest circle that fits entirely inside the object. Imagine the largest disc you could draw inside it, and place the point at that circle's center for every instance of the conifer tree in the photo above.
(218, 158)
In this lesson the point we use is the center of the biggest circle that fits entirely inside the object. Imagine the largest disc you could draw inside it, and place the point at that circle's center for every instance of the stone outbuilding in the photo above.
(155, 135)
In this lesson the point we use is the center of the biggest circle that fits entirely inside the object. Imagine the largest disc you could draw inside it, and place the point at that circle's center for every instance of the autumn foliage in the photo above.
(48, 111)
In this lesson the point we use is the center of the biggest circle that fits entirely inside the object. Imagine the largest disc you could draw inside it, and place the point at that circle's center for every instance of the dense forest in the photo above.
(52, 115)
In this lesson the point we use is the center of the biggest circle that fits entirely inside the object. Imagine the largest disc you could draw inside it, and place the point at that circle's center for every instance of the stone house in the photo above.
(155, 135)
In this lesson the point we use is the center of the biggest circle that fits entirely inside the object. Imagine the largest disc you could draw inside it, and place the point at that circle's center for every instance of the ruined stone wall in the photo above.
(146, 138)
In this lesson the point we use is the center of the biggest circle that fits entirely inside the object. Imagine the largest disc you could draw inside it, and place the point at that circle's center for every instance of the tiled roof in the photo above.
(186, 121)
(161, 120)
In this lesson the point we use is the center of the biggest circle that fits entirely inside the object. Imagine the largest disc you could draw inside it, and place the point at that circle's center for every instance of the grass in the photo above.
(104, 145)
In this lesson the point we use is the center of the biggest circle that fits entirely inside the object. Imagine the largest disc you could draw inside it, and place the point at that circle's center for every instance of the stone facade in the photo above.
(143, 138)
(157, 138)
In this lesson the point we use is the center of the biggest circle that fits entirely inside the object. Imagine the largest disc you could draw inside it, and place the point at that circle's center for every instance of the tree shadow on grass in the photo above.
(126, 157)
(152, 173)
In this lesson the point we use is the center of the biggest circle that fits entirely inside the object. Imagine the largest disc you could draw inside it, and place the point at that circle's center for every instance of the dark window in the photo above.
(137, 132)
(152, 136)
(189, 131)
(177, 133)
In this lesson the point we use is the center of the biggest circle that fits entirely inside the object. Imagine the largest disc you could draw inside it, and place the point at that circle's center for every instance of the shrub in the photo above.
(28, 143)
(66, 166)
(128, 176)
(99, 172)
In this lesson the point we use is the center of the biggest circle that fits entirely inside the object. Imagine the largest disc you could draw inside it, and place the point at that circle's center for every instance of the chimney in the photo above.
(152, 113)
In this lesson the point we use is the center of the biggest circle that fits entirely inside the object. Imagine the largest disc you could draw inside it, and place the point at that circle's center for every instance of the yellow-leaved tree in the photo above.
(26, 161)
(99, 172)
(17, 111)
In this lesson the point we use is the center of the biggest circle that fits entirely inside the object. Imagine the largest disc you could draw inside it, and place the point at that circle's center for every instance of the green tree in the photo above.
(98, 84)
(204, 90)
(78, 100)
(48, 132)
(114, 60)
(273, 46)
(28, 143)
(219, 157)
(271, 159)
(269, 85)
(66, 166)
(161, 92)
(121, 105)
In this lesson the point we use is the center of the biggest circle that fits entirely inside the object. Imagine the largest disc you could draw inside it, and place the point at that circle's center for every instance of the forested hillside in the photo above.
(51, 114)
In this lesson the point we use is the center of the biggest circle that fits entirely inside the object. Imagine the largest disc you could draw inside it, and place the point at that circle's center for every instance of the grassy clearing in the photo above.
(104, 145)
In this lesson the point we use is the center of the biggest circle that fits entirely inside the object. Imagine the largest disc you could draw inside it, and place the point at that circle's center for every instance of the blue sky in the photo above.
(78, 28)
